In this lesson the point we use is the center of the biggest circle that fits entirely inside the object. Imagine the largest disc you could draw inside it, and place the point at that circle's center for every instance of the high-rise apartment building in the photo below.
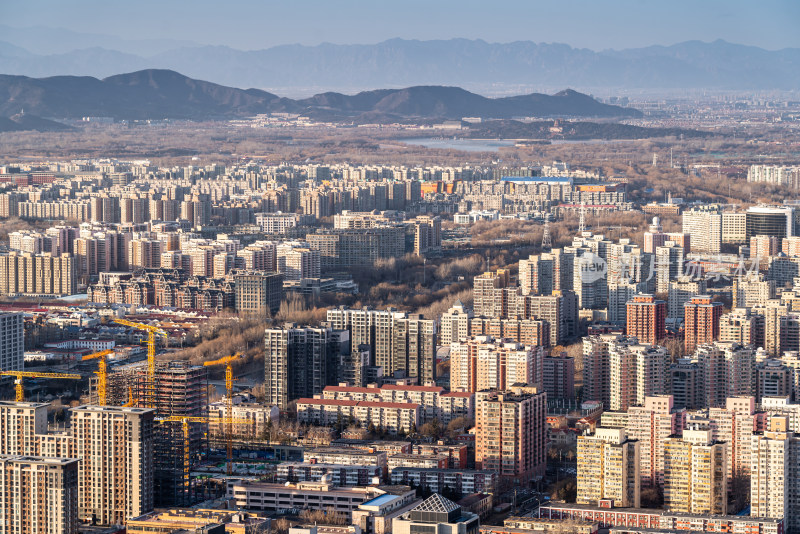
(636, 372)
(608, 468)
(37, 274)
(752, 290)
(775, 468)
(558, 376)
(403, 345)
(116, 450)
(742, 327)
(454, 324)
(695, 474)
(485, 363)
(12, 348)
(295, 261)
(726, 369)
(534, 332)
(536, 274)
(427, 235)
(297, 362)
(39, 495)
(773, 379)
(258, 292)
(342, 249)
(114, 446)
(619, 294)
(701, 319)
(516, 449)
(764, 246)
(646, 318)
(651, 425)
(483, 293)
(680, 292)
(704, 225)
(668, 265)
(684, 379)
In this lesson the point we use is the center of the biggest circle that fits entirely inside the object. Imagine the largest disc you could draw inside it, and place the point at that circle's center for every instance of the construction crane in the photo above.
(102, 374)
(152, 332)
(187, 452)
(19, 375)
(227, 361)
(131, 400)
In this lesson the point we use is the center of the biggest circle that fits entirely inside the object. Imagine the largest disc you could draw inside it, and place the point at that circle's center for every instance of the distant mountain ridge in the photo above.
(165, 94)
(472, 64)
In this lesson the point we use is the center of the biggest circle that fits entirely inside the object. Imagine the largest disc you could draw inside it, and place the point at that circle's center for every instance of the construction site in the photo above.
(187, 430)
(179, 392)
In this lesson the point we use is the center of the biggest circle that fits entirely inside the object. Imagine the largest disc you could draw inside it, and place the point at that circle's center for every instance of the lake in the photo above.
(467, 145)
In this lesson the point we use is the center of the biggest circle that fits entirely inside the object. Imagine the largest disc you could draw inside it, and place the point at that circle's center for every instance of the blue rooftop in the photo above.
(382, 499)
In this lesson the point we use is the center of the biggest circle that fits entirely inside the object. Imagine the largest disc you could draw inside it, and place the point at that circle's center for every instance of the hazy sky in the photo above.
(595, 24)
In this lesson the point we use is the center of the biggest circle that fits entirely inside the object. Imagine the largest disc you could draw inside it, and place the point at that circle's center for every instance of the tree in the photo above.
(432, 429)
(459, 425)
(652, 497)
(565, 490)
(740, 492)
(281, 526)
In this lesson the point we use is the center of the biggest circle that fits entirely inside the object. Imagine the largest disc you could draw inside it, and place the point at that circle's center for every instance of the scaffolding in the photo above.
(181, 390)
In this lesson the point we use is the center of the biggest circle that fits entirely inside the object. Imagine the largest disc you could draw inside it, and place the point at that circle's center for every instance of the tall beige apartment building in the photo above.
(651, 425)
(608, 468)
(695, 474)
(742, 327)
(23, 273)
(114, 447)
(771, 467)
(516, 449)
(39, 495)
(483, 363)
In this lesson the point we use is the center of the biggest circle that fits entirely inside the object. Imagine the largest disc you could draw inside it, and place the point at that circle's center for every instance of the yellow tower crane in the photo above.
(152, 332)
(19, 375)
(184, 420)
(227, 361)
(131, 400)
(102, 373)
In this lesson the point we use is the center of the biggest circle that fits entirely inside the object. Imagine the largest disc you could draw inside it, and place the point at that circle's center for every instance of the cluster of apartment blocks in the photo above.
(695, 457)
(102, 467)
(619, 371)
(515, 450)
(237, 193)
(242, 290)
(435, 467)
(391, 407)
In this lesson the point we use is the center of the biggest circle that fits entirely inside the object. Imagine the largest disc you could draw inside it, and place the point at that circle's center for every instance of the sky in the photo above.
(249, 25)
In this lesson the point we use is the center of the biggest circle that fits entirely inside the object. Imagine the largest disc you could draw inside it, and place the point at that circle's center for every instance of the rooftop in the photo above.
(437, 503)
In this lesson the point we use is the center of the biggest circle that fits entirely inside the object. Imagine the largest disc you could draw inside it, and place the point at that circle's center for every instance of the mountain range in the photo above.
(490, 68)
(165, 94)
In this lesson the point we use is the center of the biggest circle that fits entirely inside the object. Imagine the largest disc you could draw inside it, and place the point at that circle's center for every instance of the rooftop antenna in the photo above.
(582, 222)
(547, 241)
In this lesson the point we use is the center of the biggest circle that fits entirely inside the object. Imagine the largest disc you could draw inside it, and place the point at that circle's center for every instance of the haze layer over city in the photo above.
(414, 268)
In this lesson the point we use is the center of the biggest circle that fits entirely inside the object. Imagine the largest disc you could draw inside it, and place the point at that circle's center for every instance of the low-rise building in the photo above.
(166, 522)
(458, 480)
(649, 518)
(393, 417)
(305, 495)
(337, 474)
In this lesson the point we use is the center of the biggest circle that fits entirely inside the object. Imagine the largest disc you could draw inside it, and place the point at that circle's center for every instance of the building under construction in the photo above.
(179, 390)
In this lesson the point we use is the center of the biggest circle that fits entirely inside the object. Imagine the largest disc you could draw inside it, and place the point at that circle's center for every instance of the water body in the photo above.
(467, 145)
